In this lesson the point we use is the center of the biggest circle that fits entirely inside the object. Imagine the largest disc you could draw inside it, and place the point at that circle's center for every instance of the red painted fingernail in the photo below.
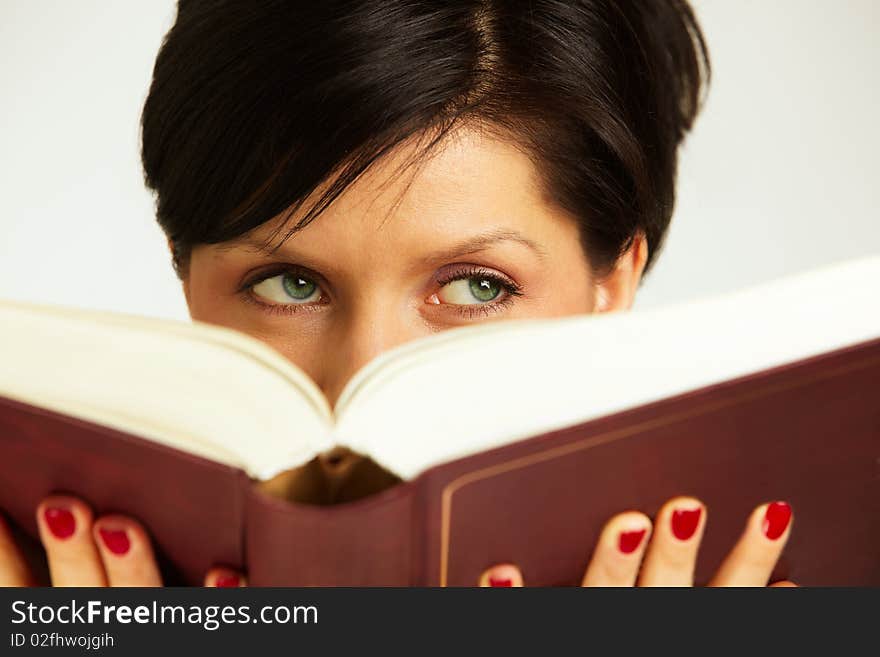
(61, 522)
(629, 541)
(685, 522)
(227, 581)
(500, 581)
(116, 540)
(776, 519)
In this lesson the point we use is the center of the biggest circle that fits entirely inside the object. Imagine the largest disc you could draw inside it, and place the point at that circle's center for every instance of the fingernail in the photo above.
(629, 541)
(776, 519)
(61, 522)
(685, 522)
(116, 540)
(227, 581)
(500, 581)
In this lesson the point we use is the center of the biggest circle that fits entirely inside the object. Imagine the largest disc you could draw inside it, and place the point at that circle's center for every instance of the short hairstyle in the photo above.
(254, 104)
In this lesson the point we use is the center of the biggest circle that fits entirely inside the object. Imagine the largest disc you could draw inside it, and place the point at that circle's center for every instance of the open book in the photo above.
(509, 442)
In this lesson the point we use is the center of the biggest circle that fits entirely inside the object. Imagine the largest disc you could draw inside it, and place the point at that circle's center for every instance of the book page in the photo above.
(472, 389)
(199, 388)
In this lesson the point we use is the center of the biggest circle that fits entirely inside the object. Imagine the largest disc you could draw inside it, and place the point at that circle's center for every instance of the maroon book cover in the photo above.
(807, 432)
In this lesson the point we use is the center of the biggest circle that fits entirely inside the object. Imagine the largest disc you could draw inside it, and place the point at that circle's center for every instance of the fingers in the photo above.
(13, 569)
(670, 552)
(619, 551)
(114, 550)
(224, 578)
(665, 554)
(503, 575)
(126, 552)
(65, 526)
(672, 555)
(753, 558)
(784, 584)
(615, 561)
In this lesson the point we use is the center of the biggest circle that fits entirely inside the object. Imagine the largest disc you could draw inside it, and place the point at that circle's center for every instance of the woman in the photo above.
(470, 161)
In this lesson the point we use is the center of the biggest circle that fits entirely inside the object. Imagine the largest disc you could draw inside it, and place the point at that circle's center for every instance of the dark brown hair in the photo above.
(254, 104)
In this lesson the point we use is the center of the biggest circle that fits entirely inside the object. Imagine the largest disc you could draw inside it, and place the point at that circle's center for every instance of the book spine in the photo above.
(364, 543)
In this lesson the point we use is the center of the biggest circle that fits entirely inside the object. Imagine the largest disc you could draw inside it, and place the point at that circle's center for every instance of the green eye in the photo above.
(297, 287)
(288, 289)
(484, 289)
(476, 289)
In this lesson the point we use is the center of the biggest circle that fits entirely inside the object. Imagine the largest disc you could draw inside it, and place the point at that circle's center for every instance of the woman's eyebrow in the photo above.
(471, 245)
(483, 241)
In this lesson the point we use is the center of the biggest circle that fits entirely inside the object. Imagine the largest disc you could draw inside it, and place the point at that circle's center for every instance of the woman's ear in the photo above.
(617, 290)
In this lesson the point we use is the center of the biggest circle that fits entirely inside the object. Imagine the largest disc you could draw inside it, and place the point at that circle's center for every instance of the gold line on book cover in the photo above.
(478, 475)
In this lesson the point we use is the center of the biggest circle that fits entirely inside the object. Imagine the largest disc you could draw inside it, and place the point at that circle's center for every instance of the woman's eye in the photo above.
(471, 290)
(288, 288)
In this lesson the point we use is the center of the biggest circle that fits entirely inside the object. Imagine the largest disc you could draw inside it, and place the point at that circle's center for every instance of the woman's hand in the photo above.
(115, 550)
(631, 550)
(111, 551)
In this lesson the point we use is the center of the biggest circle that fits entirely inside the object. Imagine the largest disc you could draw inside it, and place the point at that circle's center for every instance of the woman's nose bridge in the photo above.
(371, 330)
(359, 340)
(363, 328)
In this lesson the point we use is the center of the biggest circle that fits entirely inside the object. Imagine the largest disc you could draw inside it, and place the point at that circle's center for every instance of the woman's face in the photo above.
(472, 240)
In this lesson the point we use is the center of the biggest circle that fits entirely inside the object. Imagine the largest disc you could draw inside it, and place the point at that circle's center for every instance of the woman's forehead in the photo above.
(471, 187)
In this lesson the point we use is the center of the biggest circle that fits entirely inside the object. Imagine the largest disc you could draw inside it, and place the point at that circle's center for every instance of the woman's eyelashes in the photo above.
(475, 289)
(468, 291)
